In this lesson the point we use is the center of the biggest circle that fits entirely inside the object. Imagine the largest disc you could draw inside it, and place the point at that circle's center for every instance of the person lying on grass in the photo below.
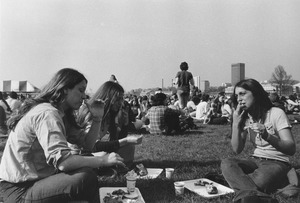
(269, 130)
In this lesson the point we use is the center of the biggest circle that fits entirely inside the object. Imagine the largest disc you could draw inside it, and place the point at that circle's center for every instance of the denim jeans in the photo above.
(183, 97)
(81, 184)
(253, 176)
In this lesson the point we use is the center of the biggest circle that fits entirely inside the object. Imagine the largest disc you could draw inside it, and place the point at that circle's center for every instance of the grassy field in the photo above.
(193, 155)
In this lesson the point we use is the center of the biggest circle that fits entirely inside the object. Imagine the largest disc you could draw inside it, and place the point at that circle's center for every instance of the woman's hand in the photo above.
(134, 139)
(237, 116)
(113, 159)
(261, 129)
(238, 134)
(258, 128)
(96, 108)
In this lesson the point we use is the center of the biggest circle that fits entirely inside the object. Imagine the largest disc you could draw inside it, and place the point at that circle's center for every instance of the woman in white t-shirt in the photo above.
(202, 108)
(268, 128)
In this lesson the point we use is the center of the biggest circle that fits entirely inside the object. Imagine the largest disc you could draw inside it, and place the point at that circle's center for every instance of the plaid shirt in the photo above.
(156, 115)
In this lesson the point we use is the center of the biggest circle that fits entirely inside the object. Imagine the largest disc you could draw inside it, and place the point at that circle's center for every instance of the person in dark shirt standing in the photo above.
(184, 79)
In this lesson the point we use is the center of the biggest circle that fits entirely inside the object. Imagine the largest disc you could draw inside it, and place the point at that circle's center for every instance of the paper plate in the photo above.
(201, 190)
(132, 195)
(152, 173)
(104, 190)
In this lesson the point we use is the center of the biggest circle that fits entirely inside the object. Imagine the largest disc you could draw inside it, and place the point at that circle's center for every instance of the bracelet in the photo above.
(264, 135)
(267, 137)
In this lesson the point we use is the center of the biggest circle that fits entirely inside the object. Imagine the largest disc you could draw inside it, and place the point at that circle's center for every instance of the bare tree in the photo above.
(281, 79)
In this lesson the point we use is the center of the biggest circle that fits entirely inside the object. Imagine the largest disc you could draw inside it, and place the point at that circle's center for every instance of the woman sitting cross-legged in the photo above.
(268, 128)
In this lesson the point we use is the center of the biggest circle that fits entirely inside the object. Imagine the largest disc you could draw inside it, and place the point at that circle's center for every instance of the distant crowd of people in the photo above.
(9, 104)
(57, 138)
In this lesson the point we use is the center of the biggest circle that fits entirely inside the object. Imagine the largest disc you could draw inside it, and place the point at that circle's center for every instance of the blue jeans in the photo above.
(81, 184)
(253, 176)
(183, 97)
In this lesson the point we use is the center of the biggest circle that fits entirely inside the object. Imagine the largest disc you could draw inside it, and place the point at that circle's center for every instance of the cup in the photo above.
(179, 188)
(169, 172)
(131, 180)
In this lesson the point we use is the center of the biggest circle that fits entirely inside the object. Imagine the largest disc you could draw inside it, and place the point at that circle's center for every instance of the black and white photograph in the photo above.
(149, 101)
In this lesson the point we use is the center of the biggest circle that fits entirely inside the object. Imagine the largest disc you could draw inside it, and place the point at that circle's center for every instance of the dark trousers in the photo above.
(81, 184)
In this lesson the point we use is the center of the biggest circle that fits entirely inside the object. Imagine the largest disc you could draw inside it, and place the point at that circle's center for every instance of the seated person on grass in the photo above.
(268, 128)
(221, 116)
(202, 108)
(192, 105)
(156, 114)
(292, 104)
(274, 97)
(37, 164)
(112, 136)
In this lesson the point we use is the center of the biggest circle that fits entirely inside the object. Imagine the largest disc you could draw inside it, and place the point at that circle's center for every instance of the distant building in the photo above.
(197, 81)
(17, 86)
(237, 73)
(267, 87)
(227, 84)
(204, 85)
(229, 90)
(296, 88)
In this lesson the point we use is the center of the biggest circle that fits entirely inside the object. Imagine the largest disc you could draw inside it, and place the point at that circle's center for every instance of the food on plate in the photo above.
(121, 195)
(201, 183)
(119, 192)
(211, 189)
(141, 170)
(115, 197)
(112, 199)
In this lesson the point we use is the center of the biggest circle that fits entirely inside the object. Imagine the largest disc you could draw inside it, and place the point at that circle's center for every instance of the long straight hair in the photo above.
(262, 102)
(108, 92)
(53, 93)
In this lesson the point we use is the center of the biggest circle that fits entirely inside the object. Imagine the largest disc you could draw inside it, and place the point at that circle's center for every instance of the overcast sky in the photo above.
(144, 41)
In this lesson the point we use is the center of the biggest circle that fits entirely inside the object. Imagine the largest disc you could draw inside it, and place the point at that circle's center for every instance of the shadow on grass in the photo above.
(178, 164)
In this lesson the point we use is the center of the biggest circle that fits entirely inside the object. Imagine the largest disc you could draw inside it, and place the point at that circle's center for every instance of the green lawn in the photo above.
(193, 154)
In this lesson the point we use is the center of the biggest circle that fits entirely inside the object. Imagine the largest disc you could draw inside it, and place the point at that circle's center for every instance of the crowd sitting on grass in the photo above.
(203, 108)
(68, 135)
